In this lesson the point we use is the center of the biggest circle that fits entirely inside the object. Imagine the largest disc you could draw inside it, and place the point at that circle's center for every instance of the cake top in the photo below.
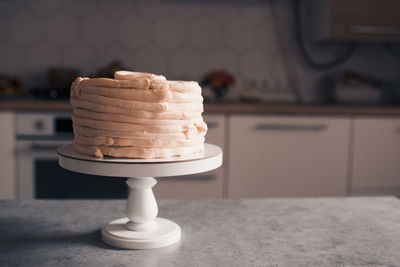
(139, 80)
(130, 75)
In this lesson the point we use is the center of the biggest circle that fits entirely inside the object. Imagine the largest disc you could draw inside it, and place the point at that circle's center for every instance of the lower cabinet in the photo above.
(7, 156)
(203, 185)
(376, 161)
(275, 156)
(282, 156)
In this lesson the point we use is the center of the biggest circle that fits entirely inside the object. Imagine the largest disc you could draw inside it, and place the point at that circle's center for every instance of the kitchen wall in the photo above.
(253, 41)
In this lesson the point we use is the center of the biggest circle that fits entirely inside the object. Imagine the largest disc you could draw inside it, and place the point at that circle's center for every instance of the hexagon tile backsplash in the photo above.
(182, 41)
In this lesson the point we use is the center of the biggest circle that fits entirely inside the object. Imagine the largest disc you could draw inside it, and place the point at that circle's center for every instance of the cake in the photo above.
(137, 115)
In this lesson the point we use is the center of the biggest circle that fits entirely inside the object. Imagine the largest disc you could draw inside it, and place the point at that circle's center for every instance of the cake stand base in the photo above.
(141, 228)
(165, 233)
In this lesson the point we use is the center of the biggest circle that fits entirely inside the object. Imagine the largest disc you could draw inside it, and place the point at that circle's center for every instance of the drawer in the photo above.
(282, 156)
(376, 164)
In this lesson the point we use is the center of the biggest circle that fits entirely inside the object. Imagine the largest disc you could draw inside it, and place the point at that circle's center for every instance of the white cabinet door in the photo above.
(279, 156)
(7, 156)
(376, 164)
(203, 185)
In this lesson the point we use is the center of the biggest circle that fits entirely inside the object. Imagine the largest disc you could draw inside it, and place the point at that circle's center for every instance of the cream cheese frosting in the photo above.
(137, 115)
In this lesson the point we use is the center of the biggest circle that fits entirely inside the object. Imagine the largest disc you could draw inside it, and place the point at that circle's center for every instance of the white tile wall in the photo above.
(80, 9)
(180, 40)
(151, 58)
(203, 33)
(115, 9)
(36, 61)
(115, 52)
(97, 31)
(134, 32)
(44, 7)
(253, 64)
(151, 10)
(10, 7)
(226, 13)
(239, 35)
(61, 31)
(222, 57)
(169, 32)
(187, 63)
(12, 58)
(186, 12)
(80, 56)
(177, 39)
(25, 30)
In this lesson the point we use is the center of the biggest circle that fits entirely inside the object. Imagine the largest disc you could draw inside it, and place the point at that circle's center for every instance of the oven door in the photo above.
(40, 176)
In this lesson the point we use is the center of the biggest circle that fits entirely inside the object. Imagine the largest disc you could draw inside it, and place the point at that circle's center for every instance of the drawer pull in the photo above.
(290, 127)
(204, 178)
(212, 125)
(364, 29)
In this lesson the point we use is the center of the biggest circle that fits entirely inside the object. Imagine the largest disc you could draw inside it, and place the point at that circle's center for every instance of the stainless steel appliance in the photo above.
(38, 175)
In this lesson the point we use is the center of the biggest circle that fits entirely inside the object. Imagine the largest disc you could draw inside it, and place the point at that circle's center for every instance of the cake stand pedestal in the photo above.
(141, 229)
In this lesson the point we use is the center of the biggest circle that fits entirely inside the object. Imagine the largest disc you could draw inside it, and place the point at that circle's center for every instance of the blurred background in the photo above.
(302, 95)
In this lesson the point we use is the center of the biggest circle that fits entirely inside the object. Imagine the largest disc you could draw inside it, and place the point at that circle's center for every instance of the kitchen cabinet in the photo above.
(376, 162)
(287, 156)
(203, 185)
(273, 156)
(7, 156)
(357, 20)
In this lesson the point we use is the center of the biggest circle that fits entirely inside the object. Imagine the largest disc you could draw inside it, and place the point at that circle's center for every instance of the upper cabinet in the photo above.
(282, 156)
(357, 20)
(376, 163)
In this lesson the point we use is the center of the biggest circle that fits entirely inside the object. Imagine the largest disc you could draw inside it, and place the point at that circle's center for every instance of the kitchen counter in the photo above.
(233, 107)
(249, 232)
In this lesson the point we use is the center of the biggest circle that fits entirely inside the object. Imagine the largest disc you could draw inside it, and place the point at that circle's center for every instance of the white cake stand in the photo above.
(142, 229)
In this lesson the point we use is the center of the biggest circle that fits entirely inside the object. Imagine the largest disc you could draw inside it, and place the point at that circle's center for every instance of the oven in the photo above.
(39, 176)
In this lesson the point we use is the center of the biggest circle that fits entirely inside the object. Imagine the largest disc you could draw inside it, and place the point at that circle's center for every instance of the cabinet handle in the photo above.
(290, 127)
(204, 178)
(212, 125)
(363, 29)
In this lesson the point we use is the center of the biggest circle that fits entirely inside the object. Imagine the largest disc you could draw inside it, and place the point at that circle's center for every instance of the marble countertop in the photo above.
(357, 231)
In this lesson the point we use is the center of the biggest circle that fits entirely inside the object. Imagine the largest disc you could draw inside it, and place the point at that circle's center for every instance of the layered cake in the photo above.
(137, 115)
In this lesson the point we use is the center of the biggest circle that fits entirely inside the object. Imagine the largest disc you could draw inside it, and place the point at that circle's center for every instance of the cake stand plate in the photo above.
(141, 229)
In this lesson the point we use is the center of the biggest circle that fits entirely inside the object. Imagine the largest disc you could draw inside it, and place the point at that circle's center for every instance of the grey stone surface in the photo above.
(249, 232)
